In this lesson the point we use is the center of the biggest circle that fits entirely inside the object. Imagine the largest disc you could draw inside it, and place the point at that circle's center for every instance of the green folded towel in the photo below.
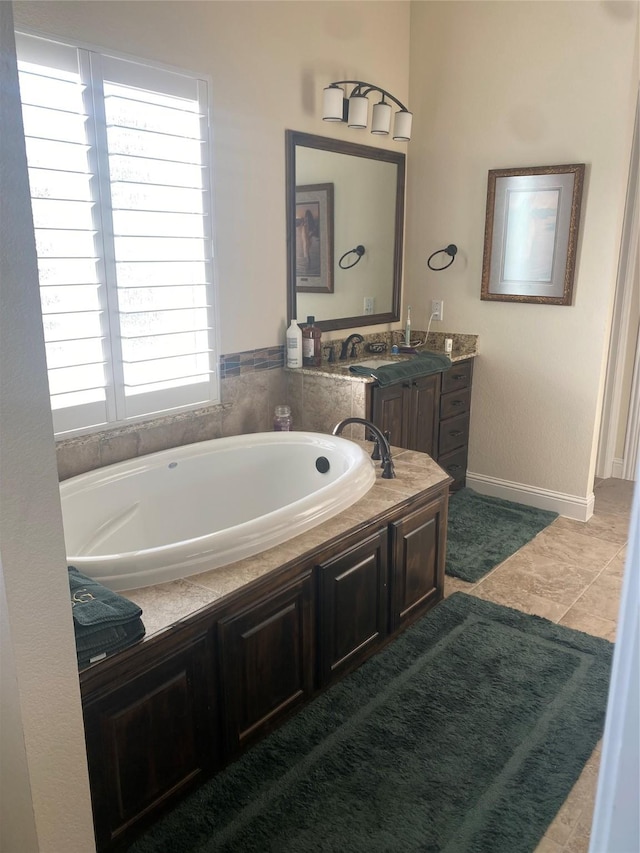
(104, 622)
(421, 364)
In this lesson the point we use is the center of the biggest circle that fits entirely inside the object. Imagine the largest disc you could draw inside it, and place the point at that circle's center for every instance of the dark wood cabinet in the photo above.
(455, 413)
(163, 715)
(408, 412)
(150, 738)
(352, 606)
(430, 414)
(418, 560)
(266, 662)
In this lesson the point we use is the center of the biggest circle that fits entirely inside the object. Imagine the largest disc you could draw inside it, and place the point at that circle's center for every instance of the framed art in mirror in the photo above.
(314, 238)
(531, 234)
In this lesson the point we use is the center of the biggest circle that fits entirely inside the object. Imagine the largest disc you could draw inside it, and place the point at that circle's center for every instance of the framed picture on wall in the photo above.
(314, 238)
(531, 234)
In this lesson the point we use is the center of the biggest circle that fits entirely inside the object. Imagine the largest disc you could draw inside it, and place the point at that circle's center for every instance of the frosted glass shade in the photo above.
(332, 109)
(402, 126)
(381, 119)
(358, 111)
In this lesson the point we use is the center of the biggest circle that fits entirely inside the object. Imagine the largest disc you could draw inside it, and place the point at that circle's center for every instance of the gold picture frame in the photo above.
(314, 238)
(531, 234)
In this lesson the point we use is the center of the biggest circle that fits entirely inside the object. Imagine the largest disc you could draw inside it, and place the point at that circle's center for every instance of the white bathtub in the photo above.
(190, 509)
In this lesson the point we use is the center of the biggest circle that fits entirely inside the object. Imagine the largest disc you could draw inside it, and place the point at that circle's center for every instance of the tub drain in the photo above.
(322, 464)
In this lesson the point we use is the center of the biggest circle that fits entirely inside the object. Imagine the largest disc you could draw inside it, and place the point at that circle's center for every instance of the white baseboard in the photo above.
(569, 506)
(617, 469)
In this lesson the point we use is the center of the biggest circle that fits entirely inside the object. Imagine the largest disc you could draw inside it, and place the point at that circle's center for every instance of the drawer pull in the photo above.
(456, 403)
(454, 433)
(453, 467)
(459, 376)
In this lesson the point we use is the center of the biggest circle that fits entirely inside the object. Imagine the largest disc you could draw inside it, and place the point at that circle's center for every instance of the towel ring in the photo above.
(359, 251)
(450, 250)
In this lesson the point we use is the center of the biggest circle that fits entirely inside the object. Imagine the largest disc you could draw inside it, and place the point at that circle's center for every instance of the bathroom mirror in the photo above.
(366, 211)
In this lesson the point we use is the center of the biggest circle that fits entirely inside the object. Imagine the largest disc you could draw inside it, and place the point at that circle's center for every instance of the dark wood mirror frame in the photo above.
(307, 140)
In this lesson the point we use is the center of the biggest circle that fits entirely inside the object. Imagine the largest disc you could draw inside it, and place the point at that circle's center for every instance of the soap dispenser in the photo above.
(311, 344)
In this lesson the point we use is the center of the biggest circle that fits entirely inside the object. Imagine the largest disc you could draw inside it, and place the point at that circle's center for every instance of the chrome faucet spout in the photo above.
(388, 472)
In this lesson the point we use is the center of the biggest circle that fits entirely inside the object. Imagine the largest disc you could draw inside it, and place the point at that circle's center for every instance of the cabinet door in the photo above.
(391, 412)
(149, 739)
(418, 548)
(423, 425)
(267, 662)
(353, 606)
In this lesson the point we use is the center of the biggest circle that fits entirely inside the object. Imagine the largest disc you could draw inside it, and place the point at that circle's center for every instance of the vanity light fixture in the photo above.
(355, 109)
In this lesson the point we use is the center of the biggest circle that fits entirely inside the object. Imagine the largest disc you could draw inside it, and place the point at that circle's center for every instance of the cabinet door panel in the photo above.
(353, 606)
(391, 412)
(418, 548)
(266, 662)
(148, 739)
(424, 421)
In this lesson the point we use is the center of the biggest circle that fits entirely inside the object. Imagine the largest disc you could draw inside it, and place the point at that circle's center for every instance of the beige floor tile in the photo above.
(531, 572)
(617, 565)
(589, 624)
(456, 585)
(602, 598)
(613, 496)
(609, 526)
(547, 845)
(567, 546)
(520, 600)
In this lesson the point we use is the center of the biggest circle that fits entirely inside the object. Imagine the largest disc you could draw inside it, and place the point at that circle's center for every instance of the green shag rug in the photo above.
(465, 735)
(484, 531)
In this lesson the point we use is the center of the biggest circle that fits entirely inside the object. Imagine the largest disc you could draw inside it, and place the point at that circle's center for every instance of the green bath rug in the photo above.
(482, 532)
(464, 735)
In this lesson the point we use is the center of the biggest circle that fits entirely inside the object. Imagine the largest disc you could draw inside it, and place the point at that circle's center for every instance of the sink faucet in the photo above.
(381, 440)
(353, 340)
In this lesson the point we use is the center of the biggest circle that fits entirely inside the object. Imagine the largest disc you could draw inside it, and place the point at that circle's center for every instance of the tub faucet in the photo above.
(381, 440)
(353, 340)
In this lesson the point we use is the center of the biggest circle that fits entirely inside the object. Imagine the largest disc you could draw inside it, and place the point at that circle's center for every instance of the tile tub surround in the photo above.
(166, 604)
(248, 395)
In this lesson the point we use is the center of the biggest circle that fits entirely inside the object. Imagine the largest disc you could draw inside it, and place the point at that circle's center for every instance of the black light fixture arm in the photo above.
(362, 88)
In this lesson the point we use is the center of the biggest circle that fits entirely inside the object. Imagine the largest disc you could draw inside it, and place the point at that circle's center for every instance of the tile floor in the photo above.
(571, 573)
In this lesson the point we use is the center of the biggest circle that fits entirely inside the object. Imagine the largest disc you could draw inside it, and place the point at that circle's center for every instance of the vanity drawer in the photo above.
(454, 433)
(458, 376)
(455, 403)
(455, 464)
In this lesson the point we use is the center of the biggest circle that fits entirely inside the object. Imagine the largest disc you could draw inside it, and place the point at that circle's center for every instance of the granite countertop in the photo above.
(165, 605)
(464, 346)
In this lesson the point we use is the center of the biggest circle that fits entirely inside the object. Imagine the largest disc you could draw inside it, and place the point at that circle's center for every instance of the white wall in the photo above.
(507, 84)
(269, 62)
(44, 794)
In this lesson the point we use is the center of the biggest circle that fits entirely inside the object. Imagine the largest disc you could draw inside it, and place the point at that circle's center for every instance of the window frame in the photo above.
(65, 419)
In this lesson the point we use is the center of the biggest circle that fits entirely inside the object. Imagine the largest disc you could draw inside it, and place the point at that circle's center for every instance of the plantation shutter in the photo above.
(118, 161)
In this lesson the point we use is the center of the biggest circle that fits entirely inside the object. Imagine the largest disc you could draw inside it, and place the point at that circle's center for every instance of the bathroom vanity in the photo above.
(430, 414)
(254, 642)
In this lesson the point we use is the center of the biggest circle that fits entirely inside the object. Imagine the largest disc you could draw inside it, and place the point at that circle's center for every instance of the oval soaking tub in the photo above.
(189, 509)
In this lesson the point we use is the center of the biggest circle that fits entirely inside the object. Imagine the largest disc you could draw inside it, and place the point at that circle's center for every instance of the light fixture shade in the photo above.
(381, 119)
(358, 111)
(402, 126)
(332, 108)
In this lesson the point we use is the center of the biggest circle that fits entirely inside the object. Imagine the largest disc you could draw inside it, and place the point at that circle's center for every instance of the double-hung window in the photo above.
(119, 169)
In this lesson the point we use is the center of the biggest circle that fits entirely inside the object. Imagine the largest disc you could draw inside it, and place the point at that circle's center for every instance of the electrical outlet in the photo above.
(369, 305)
(437, 309)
